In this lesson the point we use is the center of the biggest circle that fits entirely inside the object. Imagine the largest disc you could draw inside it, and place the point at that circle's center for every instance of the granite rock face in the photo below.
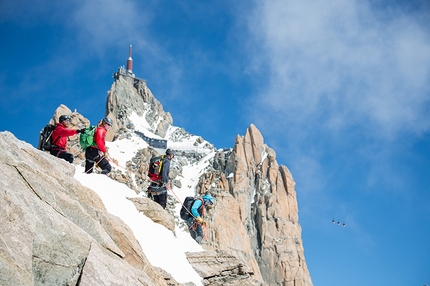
(128, 95)
(155, 212)
(255, 216)
(221, 268)
(57, 232)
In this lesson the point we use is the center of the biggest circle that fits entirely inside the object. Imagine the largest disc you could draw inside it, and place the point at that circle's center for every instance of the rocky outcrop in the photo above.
(221, 268)
(54, 231)
(127, 96)
(155, 212)
(256, 215)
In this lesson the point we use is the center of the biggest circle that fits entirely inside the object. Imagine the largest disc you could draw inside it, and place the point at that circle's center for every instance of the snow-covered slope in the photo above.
(161, 247)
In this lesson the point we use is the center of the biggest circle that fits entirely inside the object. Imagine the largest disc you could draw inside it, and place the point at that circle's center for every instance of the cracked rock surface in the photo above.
(54, 231)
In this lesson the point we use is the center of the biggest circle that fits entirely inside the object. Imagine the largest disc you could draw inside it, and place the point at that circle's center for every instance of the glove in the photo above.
(81, 130)
(200, 220)
(106, 155)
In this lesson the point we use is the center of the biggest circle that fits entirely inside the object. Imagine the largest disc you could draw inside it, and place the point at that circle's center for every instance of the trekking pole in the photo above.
(96, 163)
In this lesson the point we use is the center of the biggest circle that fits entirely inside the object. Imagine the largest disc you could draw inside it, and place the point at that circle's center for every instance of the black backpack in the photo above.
(45, 143)
(186, 208)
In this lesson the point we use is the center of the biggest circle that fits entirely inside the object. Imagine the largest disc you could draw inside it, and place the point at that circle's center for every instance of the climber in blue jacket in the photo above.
(196, 221)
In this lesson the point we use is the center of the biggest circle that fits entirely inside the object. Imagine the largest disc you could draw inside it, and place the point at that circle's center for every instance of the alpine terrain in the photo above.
(61, 226)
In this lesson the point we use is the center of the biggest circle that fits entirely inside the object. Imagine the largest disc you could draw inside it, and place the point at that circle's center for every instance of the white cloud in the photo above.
(337, 64)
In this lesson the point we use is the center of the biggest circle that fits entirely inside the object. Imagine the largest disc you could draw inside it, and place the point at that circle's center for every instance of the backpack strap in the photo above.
(160, 168)
(53, 143)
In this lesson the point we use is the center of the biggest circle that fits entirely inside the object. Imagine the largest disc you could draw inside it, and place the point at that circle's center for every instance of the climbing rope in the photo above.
(96, 163)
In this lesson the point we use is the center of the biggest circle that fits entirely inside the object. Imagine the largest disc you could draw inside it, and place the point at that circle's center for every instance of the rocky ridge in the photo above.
(256, 214)
(253, 225)
(56, 231)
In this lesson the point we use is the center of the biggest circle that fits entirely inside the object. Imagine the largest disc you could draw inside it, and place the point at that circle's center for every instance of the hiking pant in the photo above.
(92, 156)
(161, 199)
(196, 230)
(159, 194)
(63, 155)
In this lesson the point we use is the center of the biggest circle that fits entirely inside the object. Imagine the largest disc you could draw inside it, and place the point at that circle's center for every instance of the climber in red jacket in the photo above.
(59, 139)
(98, 153)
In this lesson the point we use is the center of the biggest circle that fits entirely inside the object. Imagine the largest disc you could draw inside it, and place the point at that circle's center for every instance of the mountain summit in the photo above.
(63, 227)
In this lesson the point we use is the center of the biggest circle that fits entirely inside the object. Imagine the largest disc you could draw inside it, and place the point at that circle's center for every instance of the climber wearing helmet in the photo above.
(98, 153)
(59, 138)
(196, 221)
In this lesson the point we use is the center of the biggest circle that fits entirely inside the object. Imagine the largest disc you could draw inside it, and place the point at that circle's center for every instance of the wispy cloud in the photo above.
(340, 64)
(339, 84)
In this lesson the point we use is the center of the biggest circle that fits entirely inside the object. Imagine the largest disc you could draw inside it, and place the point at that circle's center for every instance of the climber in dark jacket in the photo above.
(196, 221)
(59, 139)
(159, 189)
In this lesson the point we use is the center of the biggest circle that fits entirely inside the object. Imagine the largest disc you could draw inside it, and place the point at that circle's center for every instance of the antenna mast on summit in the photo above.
(129, 68)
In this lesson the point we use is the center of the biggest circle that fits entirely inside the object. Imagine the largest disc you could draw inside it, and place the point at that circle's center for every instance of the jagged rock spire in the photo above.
(256, 214)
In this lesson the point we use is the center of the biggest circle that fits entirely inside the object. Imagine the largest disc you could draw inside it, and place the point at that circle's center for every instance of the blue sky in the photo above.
(340, 89)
